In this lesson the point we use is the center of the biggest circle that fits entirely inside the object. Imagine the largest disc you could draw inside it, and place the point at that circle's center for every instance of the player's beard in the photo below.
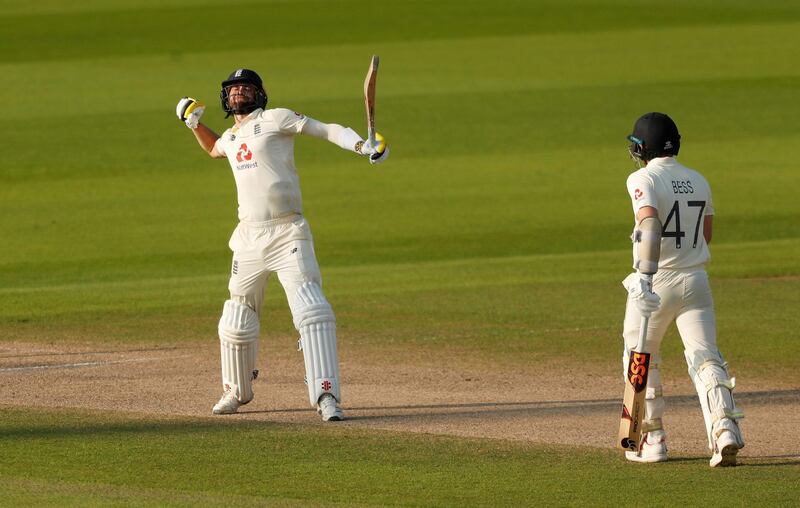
(242, 107)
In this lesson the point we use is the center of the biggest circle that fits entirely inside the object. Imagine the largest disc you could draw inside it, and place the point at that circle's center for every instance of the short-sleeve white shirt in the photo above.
(682, 197)
(261, 154)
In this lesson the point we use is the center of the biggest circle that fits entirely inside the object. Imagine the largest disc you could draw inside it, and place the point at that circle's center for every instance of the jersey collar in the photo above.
(249, 117)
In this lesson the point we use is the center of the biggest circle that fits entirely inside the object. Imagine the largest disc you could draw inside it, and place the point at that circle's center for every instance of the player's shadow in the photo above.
(428, 410)
(745, 460)
(533, 408)
(537, 408)
(771, 460)
(414, 411)
(288, 410)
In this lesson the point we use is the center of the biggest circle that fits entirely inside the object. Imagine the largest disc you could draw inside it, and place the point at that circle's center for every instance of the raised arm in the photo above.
(189, 111)
(347, 139)
(344, 137)
(207, 139)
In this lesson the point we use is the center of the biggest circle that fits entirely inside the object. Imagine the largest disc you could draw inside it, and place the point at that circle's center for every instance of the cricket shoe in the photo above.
(329, 409)
(652, 449)
(726, 447)
(228, 404)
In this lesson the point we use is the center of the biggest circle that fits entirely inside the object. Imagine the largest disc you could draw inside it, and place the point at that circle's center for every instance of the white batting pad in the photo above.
(317, 325)
(653, 399)
(715, 389)
(238, 339)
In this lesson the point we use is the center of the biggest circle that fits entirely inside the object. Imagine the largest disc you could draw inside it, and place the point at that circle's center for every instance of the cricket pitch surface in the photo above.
(414, 392)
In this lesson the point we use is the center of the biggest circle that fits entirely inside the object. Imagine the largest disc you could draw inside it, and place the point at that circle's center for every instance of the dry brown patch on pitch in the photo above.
(441, 392)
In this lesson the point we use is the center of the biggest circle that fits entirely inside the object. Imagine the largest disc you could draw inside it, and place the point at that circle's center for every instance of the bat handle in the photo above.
(642, 334)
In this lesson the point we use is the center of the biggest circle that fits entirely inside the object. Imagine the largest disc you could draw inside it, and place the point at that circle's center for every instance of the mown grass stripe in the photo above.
(589, 260)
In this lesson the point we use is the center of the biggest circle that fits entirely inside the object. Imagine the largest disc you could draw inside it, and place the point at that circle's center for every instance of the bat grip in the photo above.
(642, 334)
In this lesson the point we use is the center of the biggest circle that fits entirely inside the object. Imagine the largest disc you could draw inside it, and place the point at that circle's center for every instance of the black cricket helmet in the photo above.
(238, 77)
(654, 135)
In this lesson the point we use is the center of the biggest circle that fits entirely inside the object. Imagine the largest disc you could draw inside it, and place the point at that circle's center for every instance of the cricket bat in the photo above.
(630, 424)
(369, 96)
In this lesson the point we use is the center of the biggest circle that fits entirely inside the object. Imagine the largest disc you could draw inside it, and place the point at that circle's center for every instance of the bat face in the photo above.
(369, 95)
(630, 425)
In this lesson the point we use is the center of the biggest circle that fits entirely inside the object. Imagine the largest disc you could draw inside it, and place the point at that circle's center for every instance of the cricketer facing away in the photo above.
(674, 216)
(272, 236)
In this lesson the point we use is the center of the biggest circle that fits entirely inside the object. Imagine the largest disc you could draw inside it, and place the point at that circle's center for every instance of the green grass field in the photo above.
(179, 463)
(498, 228)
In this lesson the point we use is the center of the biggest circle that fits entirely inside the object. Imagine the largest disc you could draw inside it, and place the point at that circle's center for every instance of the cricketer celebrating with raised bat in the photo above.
(272, 236)
(674, 214)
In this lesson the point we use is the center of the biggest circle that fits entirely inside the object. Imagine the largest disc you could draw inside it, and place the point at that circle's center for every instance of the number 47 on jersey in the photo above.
(675, 214)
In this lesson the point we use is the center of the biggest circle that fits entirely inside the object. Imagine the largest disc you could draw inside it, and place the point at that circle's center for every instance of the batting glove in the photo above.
(189, 111)
(640, 292)
(378, 151)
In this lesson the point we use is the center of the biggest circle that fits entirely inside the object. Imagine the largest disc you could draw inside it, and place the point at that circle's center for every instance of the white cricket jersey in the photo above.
(682, 197)
(261, 153)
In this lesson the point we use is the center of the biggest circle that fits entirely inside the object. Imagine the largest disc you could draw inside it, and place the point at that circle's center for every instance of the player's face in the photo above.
(241, 95)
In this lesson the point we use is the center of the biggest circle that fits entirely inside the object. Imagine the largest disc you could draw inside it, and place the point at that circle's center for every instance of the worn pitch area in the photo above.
(414, 392)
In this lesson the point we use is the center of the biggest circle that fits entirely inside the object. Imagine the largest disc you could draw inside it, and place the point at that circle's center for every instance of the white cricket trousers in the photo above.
(283, 246)
(685, 299)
